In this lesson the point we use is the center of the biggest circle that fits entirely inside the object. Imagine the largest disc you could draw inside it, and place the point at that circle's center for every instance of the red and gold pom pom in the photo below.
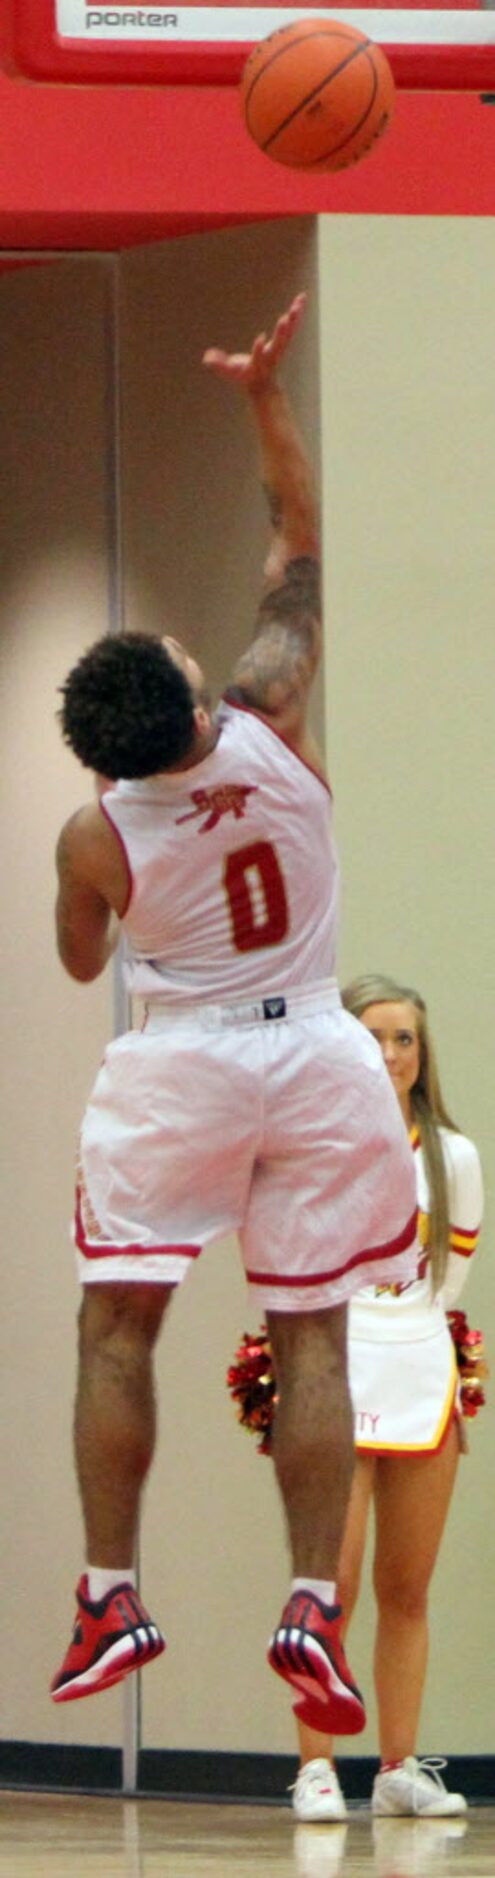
(251, 1382)
(470, 1355)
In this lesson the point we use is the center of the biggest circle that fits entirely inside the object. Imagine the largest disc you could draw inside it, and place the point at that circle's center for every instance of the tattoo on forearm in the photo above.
(297, 599)
(281, 660)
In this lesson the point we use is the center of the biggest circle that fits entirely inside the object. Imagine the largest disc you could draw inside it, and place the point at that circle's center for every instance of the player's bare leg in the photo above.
(317, 1794)
(115, 1412)
(114, 1434)
(313, 1453)
(313, 1448)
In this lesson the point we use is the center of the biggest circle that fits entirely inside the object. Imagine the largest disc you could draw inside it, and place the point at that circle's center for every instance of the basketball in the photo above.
(316, 95)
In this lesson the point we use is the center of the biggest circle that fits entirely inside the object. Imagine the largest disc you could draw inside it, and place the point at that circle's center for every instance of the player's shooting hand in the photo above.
(255, 369)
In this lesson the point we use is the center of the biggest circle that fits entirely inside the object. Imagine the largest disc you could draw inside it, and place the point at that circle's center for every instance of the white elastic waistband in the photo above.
(274, 1008)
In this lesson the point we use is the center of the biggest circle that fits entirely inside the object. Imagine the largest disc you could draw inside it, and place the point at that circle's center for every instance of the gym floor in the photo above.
(79, 1837)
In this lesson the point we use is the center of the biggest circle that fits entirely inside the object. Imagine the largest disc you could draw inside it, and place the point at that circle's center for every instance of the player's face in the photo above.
(395, 1027)
(190, 668)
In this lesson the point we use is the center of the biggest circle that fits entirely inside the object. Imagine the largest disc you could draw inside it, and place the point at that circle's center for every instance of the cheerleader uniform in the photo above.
(402, 1365)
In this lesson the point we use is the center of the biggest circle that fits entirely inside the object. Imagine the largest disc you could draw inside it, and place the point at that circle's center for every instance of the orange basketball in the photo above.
(316, 95)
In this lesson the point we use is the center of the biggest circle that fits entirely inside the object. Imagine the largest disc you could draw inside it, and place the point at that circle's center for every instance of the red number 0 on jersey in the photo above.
(255, 890)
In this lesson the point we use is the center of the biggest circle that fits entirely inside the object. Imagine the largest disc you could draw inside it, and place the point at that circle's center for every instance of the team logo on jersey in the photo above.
(228, 799)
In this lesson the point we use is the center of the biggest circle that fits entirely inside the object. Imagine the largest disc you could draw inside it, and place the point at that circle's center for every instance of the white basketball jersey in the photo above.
(233, 874)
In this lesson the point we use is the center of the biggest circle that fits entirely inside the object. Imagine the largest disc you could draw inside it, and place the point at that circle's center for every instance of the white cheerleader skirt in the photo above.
(405, 1394)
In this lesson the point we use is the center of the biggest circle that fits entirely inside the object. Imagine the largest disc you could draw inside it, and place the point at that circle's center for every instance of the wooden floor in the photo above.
(75, 1837)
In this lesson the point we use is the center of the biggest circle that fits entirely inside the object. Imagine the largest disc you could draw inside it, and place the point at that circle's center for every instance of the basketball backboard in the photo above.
(139, 41)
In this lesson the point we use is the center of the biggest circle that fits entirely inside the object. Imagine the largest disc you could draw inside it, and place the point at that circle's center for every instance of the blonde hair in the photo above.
(427, 1105)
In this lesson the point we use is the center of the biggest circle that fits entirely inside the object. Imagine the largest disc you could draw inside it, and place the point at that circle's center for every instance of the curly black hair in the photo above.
(127, 707)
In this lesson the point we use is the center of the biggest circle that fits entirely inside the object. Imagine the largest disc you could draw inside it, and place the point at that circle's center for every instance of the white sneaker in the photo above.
(416, 1787)
(317, 1794)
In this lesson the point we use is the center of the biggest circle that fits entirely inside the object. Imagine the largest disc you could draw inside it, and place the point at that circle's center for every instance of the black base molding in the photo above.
(177, 1774)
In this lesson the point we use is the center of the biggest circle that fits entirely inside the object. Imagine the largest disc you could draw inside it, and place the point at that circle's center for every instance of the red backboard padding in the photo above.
(87, 167)
(148, 42)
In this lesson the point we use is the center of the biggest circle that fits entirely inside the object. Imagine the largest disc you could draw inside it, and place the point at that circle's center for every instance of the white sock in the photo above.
(100, 1580)
(321, 1588)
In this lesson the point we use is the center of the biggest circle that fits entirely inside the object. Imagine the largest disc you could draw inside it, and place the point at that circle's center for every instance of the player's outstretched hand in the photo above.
(253, 370)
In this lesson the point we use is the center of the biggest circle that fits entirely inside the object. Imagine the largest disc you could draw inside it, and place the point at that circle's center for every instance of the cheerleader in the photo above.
(409, 1424)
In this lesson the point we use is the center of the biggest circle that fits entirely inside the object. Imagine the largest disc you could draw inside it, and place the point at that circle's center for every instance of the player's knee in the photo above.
(308, 1345)
(130, 1313)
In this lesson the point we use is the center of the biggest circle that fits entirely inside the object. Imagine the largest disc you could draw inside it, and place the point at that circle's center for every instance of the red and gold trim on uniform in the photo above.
(421, 1233)
(372, 1255)
(460, 1239)
(95, 1246)
(463, 1242)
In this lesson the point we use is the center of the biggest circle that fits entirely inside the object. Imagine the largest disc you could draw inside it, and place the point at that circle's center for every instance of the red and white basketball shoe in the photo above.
(110, 1638)
(306, 1650)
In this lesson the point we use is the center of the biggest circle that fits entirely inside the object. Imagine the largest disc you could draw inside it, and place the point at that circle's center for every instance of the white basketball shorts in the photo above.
(275, 1120)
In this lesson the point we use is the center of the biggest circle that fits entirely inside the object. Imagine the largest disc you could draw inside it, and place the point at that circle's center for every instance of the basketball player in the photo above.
(211, 846)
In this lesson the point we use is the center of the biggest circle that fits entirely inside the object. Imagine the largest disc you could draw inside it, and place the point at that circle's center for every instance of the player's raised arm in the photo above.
(286, 472)
(275, 673)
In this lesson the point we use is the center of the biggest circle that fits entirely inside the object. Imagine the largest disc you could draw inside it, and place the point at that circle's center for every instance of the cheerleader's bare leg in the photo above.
(412, 1499)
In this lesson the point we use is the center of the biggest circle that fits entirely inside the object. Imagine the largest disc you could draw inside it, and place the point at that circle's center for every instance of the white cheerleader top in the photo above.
(399, 1312)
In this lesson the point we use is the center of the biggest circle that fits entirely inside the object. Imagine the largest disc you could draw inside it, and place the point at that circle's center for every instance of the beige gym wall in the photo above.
(54, 587)
(408, 426)
(407, 411)
(194, 528)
